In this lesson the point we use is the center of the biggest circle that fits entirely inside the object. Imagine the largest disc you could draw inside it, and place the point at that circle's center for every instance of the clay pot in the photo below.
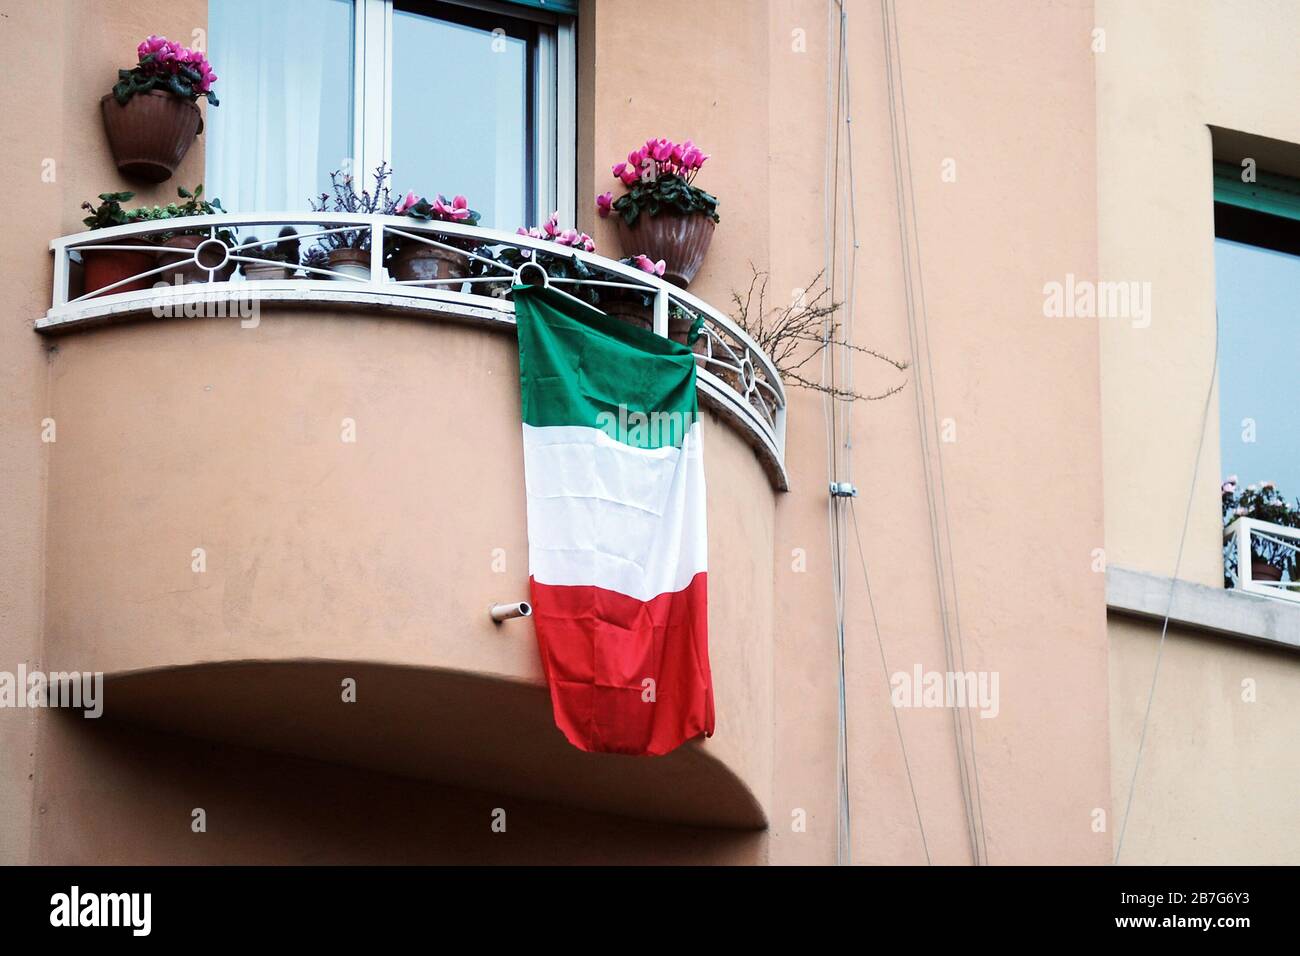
(350, 262)
(261, 271)
(151, 134)
(680, 240)
(101, 268)
(680, 329)
(183, 270)
(1261, 570)
(418, 261)
(628, 305)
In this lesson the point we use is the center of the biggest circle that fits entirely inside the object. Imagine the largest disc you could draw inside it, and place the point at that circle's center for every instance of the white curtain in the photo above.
(284, 79)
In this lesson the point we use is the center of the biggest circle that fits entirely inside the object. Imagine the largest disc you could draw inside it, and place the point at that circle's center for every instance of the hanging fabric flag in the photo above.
(616, 526)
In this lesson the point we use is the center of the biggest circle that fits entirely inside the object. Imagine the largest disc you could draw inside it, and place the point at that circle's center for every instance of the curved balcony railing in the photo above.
(216, 264)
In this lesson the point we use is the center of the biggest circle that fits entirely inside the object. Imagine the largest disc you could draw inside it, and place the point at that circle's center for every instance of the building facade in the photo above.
(278, 539)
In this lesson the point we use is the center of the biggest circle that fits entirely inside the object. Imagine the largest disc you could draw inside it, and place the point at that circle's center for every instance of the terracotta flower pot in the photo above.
(351, 262)
(1261, 570)
(631, 308)
(418, 261)
(182, 267)
(101, 268)
(627, 305)
(262, 271)
(679, 330)
(151, 134)
(680, 240)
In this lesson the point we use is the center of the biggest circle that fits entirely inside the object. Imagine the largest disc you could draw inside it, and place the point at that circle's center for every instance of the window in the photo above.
(458, 97)
(1257, 283)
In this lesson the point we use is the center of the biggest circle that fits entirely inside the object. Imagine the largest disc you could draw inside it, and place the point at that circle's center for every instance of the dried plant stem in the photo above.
(797, 334)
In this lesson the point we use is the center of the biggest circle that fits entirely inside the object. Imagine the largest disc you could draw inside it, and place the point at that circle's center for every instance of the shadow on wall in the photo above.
(124, 788)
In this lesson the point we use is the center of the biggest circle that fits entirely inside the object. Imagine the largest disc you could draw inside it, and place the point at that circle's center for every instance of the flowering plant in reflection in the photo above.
(1263, 502)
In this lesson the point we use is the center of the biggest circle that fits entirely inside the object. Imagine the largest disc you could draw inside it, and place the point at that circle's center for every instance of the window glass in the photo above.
(1258, 298)
(462, 94)
(284, 77)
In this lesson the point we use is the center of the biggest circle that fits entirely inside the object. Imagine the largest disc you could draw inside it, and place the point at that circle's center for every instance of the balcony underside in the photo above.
(471, 731)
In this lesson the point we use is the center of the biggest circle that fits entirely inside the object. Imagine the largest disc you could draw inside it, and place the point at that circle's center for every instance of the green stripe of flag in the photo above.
(579, 367)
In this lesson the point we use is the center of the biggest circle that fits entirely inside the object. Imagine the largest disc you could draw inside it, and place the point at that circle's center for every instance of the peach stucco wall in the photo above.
(60, 57)
(175, 435)
(1218, 776)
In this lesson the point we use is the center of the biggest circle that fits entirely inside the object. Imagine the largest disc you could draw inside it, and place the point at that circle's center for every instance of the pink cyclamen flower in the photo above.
(646, 264)
(409, 200)
(1229, 488)
(1232, 479)
(604, 203)
(455, 210)
(1240, 511)
(626, 173)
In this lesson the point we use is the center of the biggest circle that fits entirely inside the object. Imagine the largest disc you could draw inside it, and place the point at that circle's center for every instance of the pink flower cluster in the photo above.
(646, 264)
(448, 210)
(169, 57)
(660, 157)
(551, 231)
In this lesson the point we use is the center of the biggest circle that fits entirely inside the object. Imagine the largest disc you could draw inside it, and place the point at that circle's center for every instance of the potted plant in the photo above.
(663, 214)
(560, 264)
(151, 117)
(411, 260)
(184, 266)
(282, 255)
(634, 306)
(348, 250)
(104, 267)
(637, 306)
(1269, 559)
(313, 259)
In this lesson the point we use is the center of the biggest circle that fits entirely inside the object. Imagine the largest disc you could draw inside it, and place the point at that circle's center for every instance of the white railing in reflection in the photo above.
(205, 258)
(1272, 558)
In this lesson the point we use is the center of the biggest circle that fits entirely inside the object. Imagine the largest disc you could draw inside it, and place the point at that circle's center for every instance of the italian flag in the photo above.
(616, 526)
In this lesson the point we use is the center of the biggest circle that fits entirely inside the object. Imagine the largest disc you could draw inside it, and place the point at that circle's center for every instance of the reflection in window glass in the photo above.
(1258, 294)
(460, 120)
(284, 78)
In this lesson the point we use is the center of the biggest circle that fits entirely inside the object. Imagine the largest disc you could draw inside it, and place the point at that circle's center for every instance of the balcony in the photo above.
(736, 378)
(227, 559)
(1272, 569)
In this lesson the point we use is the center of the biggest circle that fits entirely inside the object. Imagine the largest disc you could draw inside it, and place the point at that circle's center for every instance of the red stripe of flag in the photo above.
(601, 648)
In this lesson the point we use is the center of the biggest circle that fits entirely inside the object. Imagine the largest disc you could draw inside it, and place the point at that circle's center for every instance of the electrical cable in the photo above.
(901, 150)
(1173, 583)
(884, 665)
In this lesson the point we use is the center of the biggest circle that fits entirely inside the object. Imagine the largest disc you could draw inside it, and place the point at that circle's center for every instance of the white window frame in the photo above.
(555, 112)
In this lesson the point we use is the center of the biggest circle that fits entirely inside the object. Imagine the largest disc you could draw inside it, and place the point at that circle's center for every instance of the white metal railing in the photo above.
(735, 375)
(1271, 554)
